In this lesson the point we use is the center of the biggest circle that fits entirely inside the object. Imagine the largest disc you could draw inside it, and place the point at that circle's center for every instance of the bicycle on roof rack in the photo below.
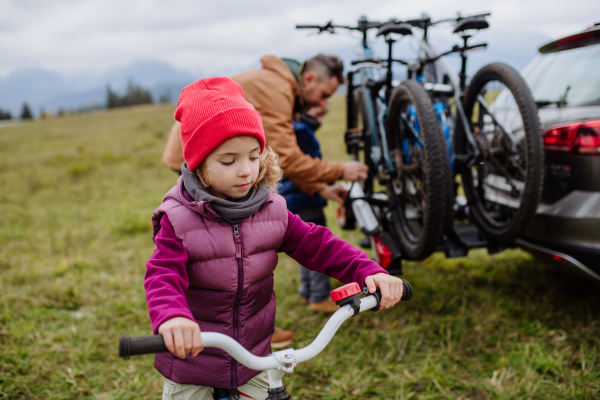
(402, 143)
(495, 134)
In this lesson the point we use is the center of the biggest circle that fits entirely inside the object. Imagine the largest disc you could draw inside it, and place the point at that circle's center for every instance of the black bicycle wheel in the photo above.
(503, 189)
(418, 190)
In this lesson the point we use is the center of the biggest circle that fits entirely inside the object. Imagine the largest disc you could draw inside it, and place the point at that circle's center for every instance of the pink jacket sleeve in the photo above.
(317, 249)
(166, 277)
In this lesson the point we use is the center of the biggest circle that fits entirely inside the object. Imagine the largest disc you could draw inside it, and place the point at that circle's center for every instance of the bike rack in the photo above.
(463, 238)
(373, 216)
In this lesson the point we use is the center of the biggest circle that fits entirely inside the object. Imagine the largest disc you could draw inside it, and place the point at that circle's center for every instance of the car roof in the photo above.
(587, 37)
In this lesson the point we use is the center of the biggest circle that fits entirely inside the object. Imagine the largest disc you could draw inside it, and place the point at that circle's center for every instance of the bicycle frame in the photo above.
(428, 54)
(458, 85)
(368, 72)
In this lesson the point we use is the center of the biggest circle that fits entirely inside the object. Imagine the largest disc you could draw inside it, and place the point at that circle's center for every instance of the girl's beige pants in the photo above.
(256, 388)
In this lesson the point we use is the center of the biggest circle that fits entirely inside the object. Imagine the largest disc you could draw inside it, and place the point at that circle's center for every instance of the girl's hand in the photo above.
(182, 336)
(390, 286)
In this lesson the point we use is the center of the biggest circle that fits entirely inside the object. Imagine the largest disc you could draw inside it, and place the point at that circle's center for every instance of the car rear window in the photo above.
(575, 73)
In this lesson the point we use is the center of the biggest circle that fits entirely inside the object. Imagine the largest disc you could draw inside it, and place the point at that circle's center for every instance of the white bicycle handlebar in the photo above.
(280, 362)
(282, 359)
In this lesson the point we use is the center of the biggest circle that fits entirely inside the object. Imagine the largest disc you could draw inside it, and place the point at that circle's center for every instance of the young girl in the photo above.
(217, 236)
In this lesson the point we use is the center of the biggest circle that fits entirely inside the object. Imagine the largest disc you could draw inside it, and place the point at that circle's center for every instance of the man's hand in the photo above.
(182, 336)
(390, 286)
(334, 192)
(355, 171)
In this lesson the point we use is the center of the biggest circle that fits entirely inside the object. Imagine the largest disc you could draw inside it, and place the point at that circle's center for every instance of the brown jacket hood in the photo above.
(277, 65)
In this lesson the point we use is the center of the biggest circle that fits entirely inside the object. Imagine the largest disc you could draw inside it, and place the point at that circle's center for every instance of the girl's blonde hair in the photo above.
(269, 171)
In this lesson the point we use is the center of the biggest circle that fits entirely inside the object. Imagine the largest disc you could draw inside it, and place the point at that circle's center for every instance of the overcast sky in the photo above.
(205, 38)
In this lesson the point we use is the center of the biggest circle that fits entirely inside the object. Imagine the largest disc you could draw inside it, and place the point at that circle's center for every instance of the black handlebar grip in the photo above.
(308, 27)
(366, 60)
(132, 346)
(406, 294)
(406, 290)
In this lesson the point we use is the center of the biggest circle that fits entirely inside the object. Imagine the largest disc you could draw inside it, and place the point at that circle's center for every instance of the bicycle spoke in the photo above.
(506, 175)
(517, 166)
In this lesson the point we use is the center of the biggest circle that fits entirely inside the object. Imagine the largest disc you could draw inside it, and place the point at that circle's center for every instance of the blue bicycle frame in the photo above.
(375, 107)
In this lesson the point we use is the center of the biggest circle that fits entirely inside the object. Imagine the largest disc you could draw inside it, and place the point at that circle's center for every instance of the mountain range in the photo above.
(49, 91)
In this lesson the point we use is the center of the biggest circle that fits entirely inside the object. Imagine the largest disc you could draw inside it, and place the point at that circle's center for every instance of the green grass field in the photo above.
(76, 196)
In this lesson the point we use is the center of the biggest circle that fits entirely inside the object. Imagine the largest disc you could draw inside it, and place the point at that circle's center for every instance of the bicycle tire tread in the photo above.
(436, 168)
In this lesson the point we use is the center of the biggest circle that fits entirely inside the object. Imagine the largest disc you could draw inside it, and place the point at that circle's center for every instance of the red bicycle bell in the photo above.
(345, 291)
(348, 294)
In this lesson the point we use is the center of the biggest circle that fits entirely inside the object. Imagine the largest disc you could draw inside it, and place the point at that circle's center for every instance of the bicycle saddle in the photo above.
(469, 23)
(393, 27)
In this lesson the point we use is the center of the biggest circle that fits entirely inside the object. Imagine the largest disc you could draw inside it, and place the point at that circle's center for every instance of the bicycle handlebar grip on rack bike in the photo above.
(308, 27)
(366, 60)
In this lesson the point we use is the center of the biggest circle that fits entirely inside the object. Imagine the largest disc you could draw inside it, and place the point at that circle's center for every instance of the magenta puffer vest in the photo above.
(230, 271)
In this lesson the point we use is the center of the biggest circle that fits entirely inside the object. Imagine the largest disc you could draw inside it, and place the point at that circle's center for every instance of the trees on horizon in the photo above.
(4, 115)
(26, 112)
(134, 95)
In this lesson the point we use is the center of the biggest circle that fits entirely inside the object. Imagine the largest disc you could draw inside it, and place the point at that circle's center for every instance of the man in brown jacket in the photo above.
(278, 90)
(281, 88)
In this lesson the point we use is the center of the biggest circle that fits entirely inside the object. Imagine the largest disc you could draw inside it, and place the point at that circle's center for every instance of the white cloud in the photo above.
(209, 37)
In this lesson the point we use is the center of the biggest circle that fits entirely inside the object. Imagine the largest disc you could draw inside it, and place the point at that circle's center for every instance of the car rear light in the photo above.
(575, 137)
(586, 38)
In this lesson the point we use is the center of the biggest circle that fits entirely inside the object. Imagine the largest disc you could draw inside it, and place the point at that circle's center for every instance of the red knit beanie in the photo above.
(212, 111)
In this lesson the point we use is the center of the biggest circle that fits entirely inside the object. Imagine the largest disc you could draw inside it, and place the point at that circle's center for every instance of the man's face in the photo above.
(315, 92)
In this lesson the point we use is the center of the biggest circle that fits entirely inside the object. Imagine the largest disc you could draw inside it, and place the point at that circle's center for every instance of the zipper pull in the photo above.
(238, 241)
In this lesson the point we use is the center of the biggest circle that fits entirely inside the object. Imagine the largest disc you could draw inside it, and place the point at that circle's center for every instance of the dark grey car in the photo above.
(565, 82)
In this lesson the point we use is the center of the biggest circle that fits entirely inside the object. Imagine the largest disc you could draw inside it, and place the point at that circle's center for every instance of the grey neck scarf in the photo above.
(233, 212)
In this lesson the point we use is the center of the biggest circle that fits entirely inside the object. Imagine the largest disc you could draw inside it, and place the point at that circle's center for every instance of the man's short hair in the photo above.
(325, 67)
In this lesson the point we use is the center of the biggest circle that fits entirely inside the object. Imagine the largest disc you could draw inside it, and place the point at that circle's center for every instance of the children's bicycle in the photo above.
(282, 362)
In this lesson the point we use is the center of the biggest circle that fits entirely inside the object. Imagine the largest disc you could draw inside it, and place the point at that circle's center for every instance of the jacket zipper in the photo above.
(237, 237)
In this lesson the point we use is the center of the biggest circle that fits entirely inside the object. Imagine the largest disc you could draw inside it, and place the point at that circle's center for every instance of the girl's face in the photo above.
(232, 168)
